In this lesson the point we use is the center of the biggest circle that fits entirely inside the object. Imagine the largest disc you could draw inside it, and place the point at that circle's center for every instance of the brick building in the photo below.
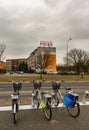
(13, 64)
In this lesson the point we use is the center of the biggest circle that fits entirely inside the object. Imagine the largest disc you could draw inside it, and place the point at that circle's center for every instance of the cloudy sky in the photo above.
(24, 23)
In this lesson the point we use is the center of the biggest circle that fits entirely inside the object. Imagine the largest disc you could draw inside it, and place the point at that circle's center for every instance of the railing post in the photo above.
(85, 96)
(33, 104)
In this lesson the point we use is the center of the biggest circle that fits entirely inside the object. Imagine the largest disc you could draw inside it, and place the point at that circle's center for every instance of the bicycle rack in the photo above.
(86, 94)
(33, 104)
(44, 96)
(36, 85)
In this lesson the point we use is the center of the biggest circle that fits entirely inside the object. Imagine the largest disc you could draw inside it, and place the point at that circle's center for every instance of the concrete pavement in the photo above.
(33, 119)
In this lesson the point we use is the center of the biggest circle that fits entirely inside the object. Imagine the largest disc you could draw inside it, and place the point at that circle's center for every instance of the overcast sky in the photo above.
(24, 23)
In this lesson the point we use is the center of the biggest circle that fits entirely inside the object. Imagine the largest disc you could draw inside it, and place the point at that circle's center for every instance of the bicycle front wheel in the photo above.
(74, 110)
(14, 118)
(14, 114)
(48, 112)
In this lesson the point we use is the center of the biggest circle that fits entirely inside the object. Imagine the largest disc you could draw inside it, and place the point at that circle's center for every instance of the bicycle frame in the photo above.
(15, 101)
(42, 98)
(45, 100)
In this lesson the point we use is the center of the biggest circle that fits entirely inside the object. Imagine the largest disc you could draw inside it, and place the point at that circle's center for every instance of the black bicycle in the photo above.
(70, 99)
(43, 99)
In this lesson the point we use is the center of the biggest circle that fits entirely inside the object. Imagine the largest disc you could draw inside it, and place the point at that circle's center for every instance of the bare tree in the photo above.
(2, 49)
(77, 58)
(44, 60)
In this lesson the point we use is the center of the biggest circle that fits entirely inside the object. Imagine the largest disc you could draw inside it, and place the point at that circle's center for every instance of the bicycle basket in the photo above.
(56, 85)
(68, 99)
(17, 86)
(37, 84)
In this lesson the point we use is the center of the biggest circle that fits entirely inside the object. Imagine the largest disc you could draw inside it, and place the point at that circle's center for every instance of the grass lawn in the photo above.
(6, 78)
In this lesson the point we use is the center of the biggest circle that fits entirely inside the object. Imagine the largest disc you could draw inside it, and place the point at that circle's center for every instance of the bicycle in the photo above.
(70, 99)
(42, 99)
(15, 96)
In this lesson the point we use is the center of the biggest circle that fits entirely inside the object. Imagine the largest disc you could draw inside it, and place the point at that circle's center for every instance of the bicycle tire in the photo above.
(17, 107)
(14, 118)
(48, 112)
(14, 113)
(74, 110)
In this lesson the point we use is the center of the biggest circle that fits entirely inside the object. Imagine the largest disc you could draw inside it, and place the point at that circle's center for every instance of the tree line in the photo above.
(76, 61)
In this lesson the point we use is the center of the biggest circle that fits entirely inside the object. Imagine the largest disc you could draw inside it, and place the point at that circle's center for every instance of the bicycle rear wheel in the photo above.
(74, 110)
(48, 112)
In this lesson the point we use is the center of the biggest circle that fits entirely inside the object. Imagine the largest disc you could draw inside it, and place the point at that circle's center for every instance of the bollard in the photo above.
(33, 104)
(85, 96)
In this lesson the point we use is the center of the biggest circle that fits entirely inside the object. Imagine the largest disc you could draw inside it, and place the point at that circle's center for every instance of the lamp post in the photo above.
(67, 50)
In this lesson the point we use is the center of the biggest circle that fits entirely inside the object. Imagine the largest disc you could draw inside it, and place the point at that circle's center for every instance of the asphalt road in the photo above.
(7, 88)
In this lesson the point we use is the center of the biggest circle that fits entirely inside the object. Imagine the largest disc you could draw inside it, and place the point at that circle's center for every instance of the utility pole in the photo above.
(67, 51)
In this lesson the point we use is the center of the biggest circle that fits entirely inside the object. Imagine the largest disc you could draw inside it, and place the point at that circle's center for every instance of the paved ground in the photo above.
(35, 120)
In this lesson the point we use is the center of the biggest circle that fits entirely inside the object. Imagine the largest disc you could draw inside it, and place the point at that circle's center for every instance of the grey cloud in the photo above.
(53, 3)
(23, 27)
(76, 18)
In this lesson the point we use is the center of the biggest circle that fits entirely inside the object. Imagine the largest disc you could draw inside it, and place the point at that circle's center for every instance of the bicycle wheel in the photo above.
(55, 100)
(14, 118)
(17, 107)
(48, 112)
(14, 114)
(74, 110)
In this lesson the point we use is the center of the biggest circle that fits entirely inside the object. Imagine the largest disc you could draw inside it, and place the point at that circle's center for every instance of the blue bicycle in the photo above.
(70, 99)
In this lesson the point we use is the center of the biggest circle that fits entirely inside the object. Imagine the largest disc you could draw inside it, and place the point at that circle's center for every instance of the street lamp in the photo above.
(67, 50)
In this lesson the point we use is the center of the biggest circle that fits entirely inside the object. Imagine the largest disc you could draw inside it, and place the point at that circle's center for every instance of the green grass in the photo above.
(29, 78)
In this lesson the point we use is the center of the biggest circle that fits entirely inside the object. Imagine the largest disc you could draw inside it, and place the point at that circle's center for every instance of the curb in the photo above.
(27, 107)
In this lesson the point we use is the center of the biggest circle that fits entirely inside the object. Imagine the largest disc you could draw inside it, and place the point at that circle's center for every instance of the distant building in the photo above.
(13, 64)
(2, 65)
(35, 59)
(45, 49)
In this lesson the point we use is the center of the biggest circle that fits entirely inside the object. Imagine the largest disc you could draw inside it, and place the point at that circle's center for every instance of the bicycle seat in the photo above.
(68, 88)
